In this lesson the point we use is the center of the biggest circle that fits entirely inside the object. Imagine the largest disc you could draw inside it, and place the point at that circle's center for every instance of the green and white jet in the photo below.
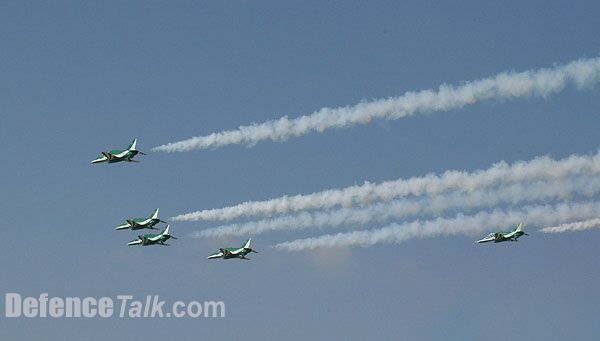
(120, 155)
(153, 238)
(234, 252)
(141, 223)
(498, 237)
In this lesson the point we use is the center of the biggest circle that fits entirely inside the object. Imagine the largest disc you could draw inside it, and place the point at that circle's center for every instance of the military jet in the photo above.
(498, 237)
(153, 238)
(120, 155)
(141, 223)
(234, 252)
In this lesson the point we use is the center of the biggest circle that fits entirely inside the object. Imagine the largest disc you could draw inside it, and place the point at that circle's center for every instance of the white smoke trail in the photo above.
(506, 85)
(538, 169)
(461, 224)
(576, 226)
(381, 212)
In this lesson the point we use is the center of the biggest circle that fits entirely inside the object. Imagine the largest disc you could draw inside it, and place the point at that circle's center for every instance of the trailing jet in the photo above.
(234, 252)
(141, 223)
(498, 237)
(153, 238)
(120, 155)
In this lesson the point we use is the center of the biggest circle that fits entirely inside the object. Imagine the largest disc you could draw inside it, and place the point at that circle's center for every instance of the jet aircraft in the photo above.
(498, 237)
(234, 252)
(120, 155)
(153, 238)
(141, 223)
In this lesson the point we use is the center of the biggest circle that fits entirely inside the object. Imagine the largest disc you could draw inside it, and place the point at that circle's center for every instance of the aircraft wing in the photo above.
(135, 242)
(155, 238)
(100, 159)
(217, 254)
(123, 226)
(235, 252)
(489, 238)
(116, 154)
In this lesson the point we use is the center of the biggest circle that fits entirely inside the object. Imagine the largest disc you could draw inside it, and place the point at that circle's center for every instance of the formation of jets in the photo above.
(150, 222)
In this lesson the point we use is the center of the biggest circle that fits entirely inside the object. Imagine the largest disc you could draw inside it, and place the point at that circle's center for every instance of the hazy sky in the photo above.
(78, 79)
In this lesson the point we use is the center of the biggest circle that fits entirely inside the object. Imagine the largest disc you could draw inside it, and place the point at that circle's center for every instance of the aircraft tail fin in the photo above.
(520, 227)
(165, 232)
(155, 214)
(247, 244)
(133, 145)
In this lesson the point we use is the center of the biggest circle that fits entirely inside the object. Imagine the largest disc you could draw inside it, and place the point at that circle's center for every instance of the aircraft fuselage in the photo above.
(513, 236)
(142, 223)
(120, 155)
(147, 239)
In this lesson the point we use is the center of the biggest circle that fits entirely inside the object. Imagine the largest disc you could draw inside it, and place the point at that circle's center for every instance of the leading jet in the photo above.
(141, 223)
(498, 237)
(153, 238)
(120, 155)
(234, 252)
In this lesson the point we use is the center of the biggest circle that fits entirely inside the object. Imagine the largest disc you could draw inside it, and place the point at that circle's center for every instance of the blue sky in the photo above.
(81, 78)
